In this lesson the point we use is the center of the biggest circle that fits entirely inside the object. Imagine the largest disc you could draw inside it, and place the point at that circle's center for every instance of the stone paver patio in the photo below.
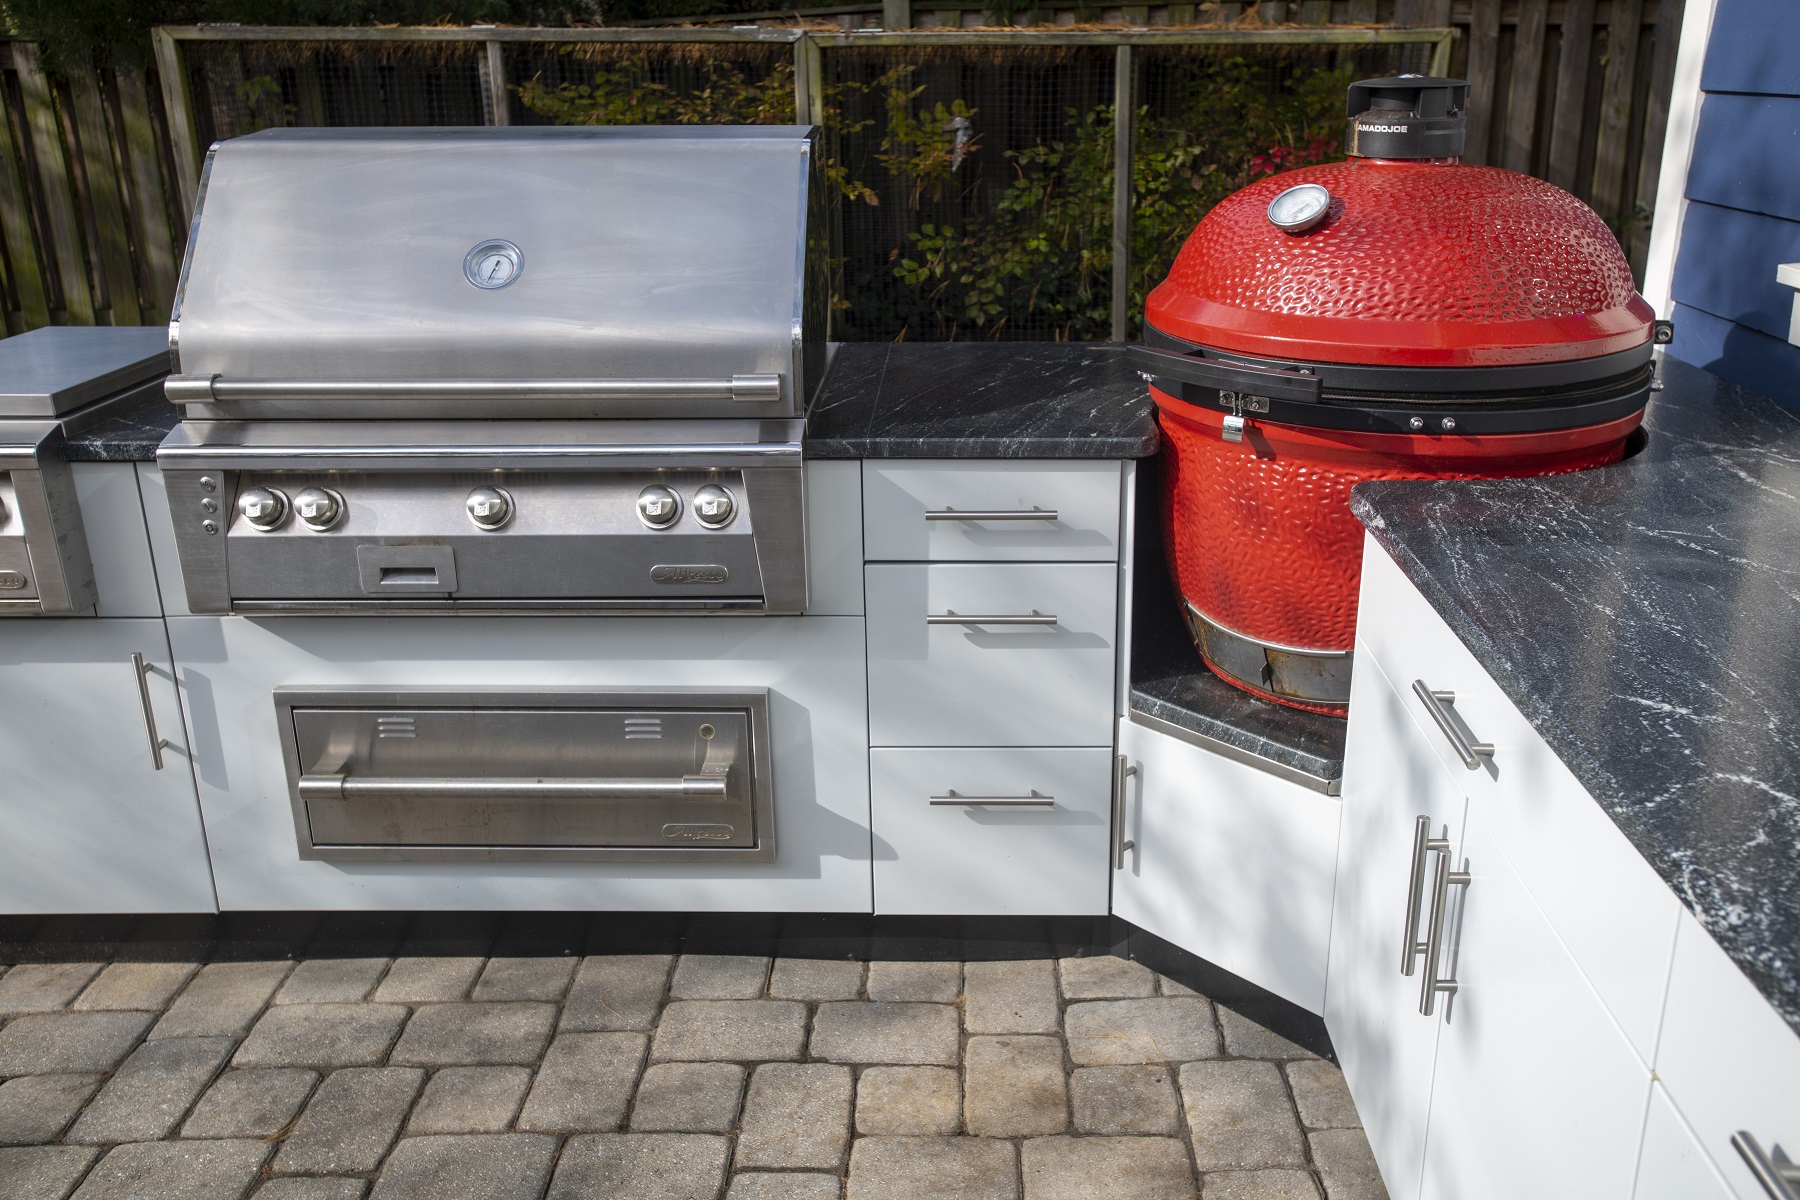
(382, 1070)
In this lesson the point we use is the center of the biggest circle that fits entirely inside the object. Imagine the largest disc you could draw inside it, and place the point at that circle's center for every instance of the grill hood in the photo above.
(655, 271)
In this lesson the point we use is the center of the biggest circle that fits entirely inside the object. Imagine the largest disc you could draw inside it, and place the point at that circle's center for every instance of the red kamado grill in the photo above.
(1394, 316)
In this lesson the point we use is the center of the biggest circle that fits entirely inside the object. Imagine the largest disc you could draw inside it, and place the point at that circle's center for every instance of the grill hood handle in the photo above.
(749, 389)
(1157, 365)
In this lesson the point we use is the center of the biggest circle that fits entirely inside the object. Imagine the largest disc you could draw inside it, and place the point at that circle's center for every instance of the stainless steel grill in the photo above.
(55, 382)
(497, 370)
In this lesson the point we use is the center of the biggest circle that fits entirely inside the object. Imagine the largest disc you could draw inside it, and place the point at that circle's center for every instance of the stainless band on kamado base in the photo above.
(1312, 676)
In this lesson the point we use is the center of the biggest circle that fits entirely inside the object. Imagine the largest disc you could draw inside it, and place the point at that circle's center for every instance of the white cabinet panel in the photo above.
(982, 860)
(812, 667)
(1614, 913)
(1537, 1092)
(834, 539)
(161, 526)
(87, 824)
(1229, 863)
(112, 517)
(1728, 1059)
(1673, 1166)
(898, 495)
(993, 684)
(1385, 1046)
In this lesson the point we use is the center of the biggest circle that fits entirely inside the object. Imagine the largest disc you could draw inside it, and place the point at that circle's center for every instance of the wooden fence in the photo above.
(98, 171)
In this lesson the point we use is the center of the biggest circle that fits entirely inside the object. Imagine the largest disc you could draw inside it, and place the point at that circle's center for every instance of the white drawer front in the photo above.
(1605, 902)
(1728, 1059)
(991, 684)
(1048, 858)
(900, 498)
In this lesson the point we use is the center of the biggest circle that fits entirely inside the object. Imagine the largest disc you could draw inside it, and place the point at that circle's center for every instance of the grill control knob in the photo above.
(489, 507)
(264, 508)
(714, 506)
(320, 508)
(658, 506)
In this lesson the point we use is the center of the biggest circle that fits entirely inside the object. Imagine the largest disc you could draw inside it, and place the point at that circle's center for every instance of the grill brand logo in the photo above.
(690, 573)
(698, 833)
(1367, 128)
(11, 581)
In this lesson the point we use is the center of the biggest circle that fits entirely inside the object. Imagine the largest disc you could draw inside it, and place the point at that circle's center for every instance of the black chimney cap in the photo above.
(1407, 116)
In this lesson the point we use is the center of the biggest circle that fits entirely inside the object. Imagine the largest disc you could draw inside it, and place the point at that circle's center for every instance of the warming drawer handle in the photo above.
(1779, 1176)
(1438, 704)
(1004, 514)
(365, 787)
(1154, 364)
(751, 389)
(1033, 617)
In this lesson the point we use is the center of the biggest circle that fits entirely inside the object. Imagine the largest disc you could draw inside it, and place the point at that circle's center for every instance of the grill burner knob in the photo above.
(320, 508)
(489, 507)
(714, 506)
(264, 508)
(658, 506)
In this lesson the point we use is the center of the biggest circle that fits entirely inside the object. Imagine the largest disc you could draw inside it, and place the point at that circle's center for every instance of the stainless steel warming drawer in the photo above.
(607, 775)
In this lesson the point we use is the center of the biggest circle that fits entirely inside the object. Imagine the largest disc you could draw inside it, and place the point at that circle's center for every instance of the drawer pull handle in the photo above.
(1432, 985)
(1004, 514)
(1033, 617)
(141, 670)
(352, 787)
(1779, 1176)
(1033, 800)
(1438, 704)
(1122, 770)
(1423, 844)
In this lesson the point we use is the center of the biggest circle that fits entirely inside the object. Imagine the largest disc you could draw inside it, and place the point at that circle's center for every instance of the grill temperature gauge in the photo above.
(493, 265)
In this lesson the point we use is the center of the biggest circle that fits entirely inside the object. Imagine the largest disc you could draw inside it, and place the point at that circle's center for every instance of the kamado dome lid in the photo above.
(1399, 270)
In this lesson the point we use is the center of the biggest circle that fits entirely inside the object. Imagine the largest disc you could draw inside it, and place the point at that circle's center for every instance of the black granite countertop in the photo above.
(981, 400)
(130, 435)
(1646, 619)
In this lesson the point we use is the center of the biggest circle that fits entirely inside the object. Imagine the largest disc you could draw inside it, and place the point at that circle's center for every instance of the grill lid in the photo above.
(501, 272)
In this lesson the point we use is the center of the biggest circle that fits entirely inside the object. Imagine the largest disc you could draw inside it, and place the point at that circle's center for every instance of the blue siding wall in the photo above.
(1743, 188)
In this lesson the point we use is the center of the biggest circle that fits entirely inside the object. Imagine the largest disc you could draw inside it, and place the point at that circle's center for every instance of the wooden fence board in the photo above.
(21, 247)
(1484, 54)
(149, 202)
(111, 233)
(1610, 147)
(1571, 90)
(1520, 134)
(1655, 119)
(179, 105)
(45, 132)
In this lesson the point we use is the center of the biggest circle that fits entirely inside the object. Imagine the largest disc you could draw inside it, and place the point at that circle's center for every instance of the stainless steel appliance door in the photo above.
(602, 775)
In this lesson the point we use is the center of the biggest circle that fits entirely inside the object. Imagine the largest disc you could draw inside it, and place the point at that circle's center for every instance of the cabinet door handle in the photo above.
(141, 670)
(1779, 1177)
(950, 618)
(1032, 801)
(1432, 985)
(1423, 844)
(1122, 770)
(1438, 704)
(1006, 514)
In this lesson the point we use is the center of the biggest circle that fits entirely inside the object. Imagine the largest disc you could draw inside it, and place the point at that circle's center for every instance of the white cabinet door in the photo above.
(939, 850)
(87, 822)
(993, 683)
(1728, 1058)
(1674, 1166)
(1538, 1092)
(1386, 1047)
(1229, 863)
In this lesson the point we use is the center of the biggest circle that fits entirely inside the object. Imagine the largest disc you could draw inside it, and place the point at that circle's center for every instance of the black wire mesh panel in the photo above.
(241, 87)
(972, 189)
(666, 83)
(1211, 119)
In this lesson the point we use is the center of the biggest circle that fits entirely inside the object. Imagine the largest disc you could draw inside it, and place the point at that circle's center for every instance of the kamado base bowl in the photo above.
(1266, 554)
